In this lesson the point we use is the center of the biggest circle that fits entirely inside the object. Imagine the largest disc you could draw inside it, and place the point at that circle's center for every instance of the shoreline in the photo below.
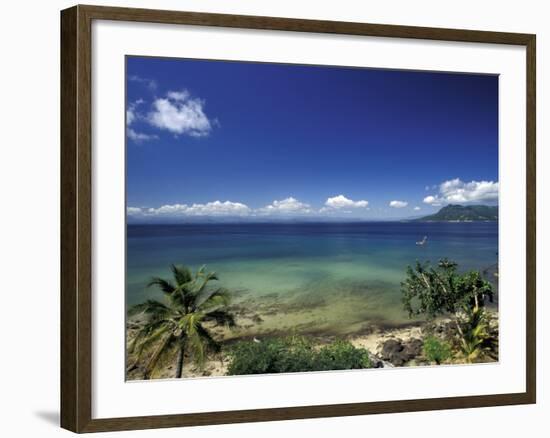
(390, 338)
(404, 348)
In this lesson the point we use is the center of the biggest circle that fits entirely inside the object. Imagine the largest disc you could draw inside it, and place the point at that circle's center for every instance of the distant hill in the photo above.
(463, 213)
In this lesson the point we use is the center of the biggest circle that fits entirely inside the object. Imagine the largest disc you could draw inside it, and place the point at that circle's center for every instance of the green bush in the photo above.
(440, 290)
(294, 354)
(476, 341)
(436, 350)
(342, 355)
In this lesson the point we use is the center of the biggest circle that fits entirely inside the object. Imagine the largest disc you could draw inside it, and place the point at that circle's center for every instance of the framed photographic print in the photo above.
(305, 218)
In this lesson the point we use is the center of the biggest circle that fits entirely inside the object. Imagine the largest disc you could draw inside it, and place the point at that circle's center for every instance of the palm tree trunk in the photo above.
(179, 367)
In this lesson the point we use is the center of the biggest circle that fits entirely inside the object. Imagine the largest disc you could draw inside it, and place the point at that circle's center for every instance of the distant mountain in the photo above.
(463, 213)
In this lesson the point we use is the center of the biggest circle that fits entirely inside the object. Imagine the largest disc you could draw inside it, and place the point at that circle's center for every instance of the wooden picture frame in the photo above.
(76, 218)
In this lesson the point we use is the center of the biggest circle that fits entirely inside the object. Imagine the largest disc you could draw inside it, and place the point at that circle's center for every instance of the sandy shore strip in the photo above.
(260, 325)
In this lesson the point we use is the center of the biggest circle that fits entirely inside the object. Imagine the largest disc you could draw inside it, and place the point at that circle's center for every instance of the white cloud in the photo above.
(416, 208)
(139, 136)
(289, 205)
(168, 209)
(178, 95)
(458, 191)
(398, 204)
(216, 208)
(149, 83)
(133, 211)
(432, 200)
(131, 112)
(341, 201)
(180, 114)
(132, 115)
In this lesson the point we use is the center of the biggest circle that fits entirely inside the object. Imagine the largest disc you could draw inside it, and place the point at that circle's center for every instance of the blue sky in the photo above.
(236, 139)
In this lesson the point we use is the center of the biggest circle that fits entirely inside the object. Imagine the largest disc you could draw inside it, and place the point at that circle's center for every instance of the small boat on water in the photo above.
(423, 241)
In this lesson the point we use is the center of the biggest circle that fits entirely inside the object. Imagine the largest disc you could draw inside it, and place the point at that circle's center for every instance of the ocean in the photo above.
(308, 277)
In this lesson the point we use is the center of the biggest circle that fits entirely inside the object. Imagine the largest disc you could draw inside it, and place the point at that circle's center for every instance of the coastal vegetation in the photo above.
(476, 340)
(196, 325)
(441, 290)
(436, 350)
(294, 354)
(178, 325)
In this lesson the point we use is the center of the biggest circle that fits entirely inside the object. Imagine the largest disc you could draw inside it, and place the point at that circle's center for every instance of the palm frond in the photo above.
(164, 285)
(142, 334)
(189, 302)
(200, 343)
(149, 338)
(209, 299)
(188, 323)
(162, 346)
(178, 296)
(168, 353)
(197, 347)
(182, 274)
(138, 337)
(150, 307)
(201, 271)
(211, 343)
(202, 282)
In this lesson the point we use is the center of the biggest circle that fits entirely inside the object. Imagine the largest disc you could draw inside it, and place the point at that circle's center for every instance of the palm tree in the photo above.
(178, 323)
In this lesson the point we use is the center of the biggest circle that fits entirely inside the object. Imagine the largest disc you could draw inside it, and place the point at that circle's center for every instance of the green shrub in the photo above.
(476, 340)
(436, 350)
(342, 355)
(294, 354)
(439, 290)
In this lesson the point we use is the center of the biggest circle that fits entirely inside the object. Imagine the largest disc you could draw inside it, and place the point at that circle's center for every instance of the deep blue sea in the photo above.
(344, 274)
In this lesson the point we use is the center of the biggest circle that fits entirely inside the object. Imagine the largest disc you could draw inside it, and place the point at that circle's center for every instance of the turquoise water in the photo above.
(341, 275)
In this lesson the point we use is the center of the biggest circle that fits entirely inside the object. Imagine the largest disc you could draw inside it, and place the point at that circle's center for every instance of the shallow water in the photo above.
(334, 277)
